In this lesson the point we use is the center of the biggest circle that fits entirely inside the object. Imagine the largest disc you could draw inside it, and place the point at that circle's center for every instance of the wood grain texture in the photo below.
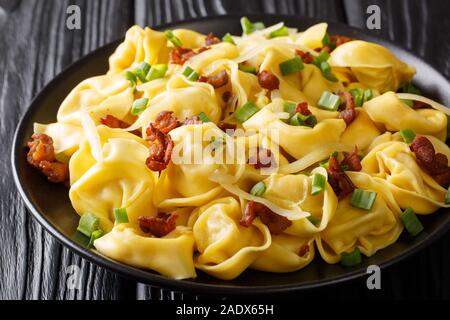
(35, 45)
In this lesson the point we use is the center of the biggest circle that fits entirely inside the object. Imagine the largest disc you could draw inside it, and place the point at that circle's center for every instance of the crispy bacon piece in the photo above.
(338, 180)
(340, 39)
(352, 161)
(211, 39)
(158, 226)
(268, 80)
(217, 81)
(160, 151)
(42, 156)
(180, 55)
(224, 126)
(420, 105)
(348, 114)
(435, 163)
(302, 108)
(165, 122)
(304, 250)
(262, 158)
(113, 122)
(306, 56)
(276, 223)
(192, 120)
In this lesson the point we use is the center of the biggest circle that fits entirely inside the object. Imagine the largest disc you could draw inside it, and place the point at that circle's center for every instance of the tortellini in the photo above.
(193, 152)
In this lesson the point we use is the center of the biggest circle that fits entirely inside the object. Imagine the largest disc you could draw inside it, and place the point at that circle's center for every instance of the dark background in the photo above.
(35, 45)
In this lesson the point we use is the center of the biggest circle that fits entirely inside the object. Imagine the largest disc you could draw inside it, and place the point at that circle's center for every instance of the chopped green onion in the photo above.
(282, 32)
(315, 221)
(322, 57)
(88, 223)
(120, 215)
(248, 27)
(368, 94)
(408, 102)
(359, 99)
(411, 222)
(408, 135)
(142, 70)
(172, 38)
(326, 72)
(156, 71)
(228, 38)
(246, 112)
(258, 189)
(291, 66)
(130, 76)
(408, 87)
(190, 74)
(447, 196)
(326, 41)
(351, 259)
(318, 184)
(94, 236)
(329, 101)
(248, 69)
(299, 119)
(289, 107)
(203, 117)
(363, 199)
(138, 106)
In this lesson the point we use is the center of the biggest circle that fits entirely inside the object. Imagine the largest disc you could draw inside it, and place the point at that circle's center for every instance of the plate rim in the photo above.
(151, 278)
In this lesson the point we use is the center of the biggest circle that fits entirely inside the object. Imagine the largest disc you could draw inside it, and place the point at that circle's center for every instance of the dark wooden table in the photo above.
(35, 45)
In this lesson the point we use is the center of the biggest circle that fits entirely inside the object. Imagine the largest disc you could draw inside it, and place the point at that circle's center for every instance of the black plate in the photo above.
(50, 204)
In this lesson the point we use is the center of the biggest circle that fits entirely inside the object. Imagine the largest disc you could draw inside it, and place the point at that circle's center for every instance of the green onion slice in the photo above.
(130, 76)
(329, 101)
(408, 87)
(120, 215)
(326, 41)
(289, 107)
(322, 57)
(363, 199)
(138, 106)
(94, 236)
(88, 223)
(246, 112)
(447, 196)
(351, 259)
(368, 94)
(315, 221)
(299, 119)
(228, 38)
(408, 135)
(249, 27)
(172, 38)
(203, 117)
(408, 102)
(190, 74)
(411, 222)
(248, 69)
(318, 184)
(291, 66)
(258, 189)
(326, 72)
(157, 71)
(141, 71)
(281, 32)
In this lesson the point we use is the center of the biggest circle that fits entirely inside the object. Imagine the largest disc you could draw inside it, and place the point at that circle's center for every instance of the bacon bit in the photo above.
(304, 250)
(303, 109)
(211, 39)
(352, 160)
(420, 105)
(306, 56)
(226, 96)
(268, 80)
(165, 122)
(42, 156)
(160, 150)
(203, 49)
(338, 179)
(435, 163)
(339, 39)
(224, 126)
(158, 226)
(192, 120)
(217, 81)
(324, 48)
(262, 158)
(276, 223)
(348, 114)
(114, 123)
(180, 55)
